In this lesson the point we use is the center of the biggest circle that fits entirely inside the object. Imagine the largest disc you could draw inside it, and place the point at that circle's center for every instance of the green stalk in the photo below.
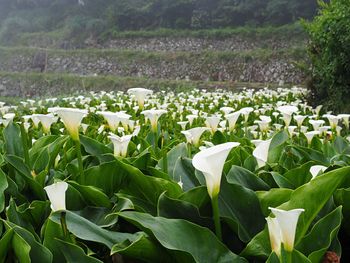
(286, 256)
(64, 224)
(165, 157)
(80, 161)
(25, 145)
(189, 150)
(216, 216)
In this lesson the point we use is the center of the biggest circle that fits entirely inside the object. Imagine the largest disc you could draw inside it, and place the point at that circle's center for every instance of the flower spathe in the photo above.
(193, 135)
(274, 234)
(71, 117)
(57, 195)
(211, 162)
(153, 116)
(140, 95)
(261, 152)
(120, 144)
(286, 223)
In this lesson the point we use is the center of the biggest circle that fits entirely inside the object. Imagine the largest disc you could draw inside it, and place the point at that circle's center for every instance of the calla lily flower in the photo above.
(193, 135)
(71, 118)
(232, 119)
(287, 112)
(46, 121)
(275, 235)
(120, 144)
(317, 169)
(211, 162)
(153, 116)
(140, 95)
(261, 152)
(114, 118)
(345, 118)
(57, 195)
(212, 123)
(287, 223)
(310, 135)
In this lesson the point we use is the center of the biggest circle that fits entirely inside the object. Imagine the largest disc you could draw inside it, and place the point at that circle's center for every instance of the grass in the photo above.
(268, 32)
(154, 57)
(56, 84)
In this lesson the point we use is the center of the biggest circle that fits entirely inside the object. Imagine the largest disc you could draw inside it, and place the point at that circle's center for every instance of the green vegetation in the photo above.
(102, 19)
(329, 50)
(65, 84)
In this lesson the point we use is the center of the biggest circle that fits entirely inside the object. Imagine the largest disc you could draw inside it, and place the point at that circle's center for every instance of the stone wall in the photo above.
(196, 66)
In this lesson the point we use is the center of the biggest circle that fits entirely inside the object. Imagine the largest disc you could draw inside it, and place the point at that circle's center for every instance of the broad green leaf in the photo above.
(92, 195)
(276, 146)
(197, 196)
(142, 248)
(240, 176)
(186, 237)
(312, 197)
(176, 152)
(300, 175)
(21, 248)
(86, 230)
(3, 187)
(246, 217)
(185, 172)
(108, 177)
(5, 244)
(178, 209)
(72, 253)
(273, 198)
(13, 140)
(316, 243)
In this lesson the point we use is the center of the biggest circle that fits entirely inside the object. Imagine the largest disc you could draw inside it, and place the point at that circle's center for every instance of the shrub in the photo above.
(329, 51)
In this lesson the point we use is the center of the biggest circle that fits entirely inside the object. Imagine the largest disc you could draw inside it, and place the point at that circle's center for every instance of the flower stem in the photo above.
(80, 161)
(215, 206)
(25, 145)
(64, 224)
(189, 150)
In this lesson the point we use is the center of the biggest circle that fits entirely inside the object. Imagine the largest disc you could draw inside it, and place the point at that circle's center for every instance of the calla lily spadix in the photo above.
(284, 227)
(140, 95)
(57, 195)
(261, 152)
(71, 118)
(211, 163)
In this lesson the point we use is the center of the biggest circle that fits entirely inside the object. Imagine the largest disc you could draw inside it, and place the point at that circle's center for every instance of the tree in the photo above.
(329, 51)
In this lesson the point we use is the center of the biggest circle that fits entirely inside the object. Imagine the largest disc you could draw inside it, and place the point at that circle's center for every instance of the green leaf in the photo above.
(21, 248)
(240, 176)
(277, 146)
(273, 198)
(176, 152)
(178, 209)
(312, 197)
(186, 237)
(13, 140)
(72, 253)
(92, 195)
(246, 217)
(316, 243)
(5, 244)
(300, 175)
(142, 248)
(86, 230)
(3, 187)
(185, 172)
(108, 177)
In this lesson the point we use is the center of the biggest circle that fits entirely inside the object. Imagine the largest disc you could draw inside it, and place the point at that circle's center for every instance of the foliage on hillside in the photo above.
(106, 17)
(329, 51)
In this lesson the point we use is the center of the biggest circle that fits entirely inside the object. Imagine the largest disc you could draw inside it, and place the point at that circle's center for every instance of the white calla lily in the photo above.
(211, 162)
(317, 169)
(46, 121)
(57, 195)
(274, 234)
(120, 144)
(193, 135)
(140, 95)
(261, 152)
(71, 118)
(153, 116)
(287, 222)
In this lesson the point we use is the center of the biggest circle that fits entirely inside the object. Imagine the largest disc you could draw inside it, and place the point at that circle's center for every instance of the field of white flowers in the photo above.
(192, 176)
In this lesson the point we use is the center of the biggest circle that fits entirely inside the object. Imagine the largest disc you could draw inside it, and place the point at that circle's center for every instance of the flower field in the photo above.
(197, 176)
